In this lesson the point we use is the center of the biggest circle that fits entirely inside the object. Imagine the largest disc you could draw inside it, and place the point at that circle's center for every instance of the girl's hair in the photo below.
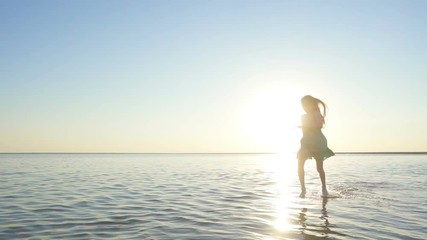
(314, 102)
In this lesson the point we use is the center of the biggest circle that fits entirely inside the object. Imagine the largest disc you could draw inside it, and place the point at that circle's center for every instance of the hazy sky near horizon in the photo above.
(210, 76)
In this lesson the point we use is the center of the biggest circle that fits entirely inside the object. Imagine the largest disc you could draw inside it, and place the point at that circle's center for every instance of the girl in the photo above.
(313, 142)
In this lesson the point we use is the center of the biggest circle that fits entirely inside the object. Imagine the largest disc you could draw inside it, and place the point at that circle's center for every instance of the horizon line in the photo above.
(343, 152)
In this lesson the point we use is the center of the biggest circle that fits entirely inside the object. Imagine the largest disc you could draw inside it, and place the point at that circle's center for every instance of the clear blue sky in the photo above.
(198, 76)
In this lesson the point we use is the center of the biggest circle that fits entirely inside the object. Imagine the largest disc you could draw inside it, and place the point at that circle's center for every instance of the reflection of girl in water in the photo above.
(313, 142)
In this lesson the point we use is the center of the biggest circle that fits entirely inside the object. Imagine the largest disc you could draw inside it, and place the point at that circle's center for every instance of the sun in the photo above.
(271, 120)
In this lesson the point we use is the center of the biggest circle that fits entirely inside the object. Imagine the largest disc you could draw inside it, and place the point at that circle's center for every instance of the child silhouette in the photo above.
(313, 142)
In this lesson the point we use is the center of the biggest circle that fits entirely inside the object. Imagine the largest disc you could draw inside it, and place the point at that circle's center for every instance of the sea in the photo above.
(211, 196)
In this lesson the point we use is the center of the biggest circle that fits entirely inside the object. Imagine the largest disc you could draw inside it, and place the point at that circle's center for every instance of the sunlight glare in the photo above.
(272, 118)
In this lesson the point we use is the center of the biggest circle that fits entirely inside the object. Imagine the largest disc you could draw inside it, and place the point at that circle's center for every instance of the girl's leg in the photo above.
(301, 176)
(321, 171)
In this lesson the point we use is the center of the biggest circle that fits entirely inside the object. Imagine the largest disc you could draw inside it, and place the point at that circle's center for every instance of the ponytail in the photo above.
(323, 105)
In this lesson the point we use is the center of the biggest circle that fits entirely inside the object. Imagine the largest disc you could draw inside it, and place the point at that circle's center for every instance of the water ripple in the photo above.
(205, 197)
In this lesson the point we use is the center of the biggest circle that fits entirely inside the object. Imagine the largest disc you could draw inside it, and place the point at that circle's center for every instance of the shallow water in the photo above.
(217, 196)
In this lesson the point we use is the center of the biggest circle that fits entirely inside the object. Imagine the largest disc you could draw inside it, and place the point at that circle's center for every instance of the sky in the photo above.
(210, 76)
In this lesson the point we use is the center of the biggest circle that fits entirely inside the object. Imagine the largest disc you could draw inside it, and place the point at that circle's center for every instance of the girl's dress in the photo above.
(313, 142)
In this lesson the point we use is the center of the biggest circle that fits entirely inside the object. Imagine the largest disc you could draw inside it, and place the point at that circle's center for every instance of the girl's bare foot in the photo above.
(325, 193)
(302, 194)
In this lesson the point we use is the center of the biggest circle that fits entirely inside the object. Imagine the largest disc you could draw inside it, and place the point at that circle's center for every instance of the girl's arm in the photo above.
(314, 120)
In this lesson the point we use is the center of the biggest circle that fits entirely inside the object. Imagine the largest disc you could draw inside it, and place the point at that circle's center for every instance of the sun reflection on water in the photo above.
(283, 170)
